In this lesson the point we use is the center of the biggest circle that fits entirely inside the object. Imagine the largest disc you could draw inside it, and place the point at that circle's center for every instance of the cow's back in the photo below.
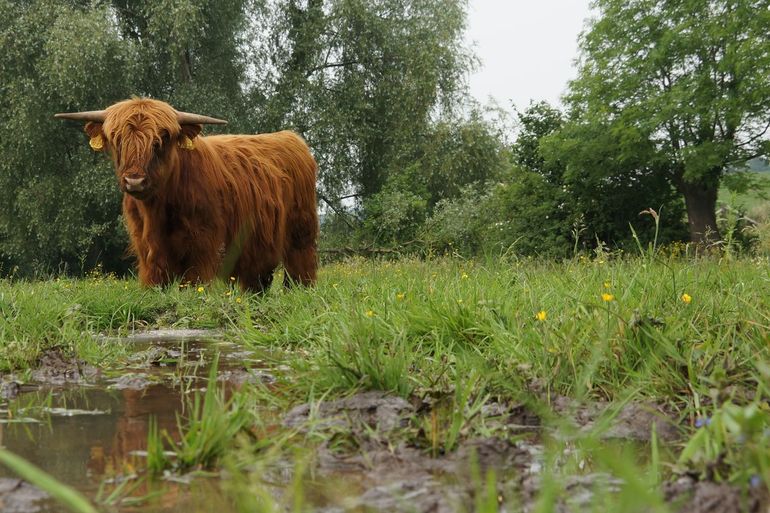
(271, 176)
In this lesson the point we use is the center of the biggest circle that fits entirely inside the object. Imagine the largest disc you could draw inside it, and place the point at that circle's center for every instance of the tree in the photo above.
(581, 184)
(362, 80)
(59, 206)
(688, 80)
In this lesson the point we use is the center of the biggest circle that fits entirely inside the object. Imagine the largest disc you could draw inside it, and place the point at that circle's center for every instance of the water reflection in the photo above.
(88, 434)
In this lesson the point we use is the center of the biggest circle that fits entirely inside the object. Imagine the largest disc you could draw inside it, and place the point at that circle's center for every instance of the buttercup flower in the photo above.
(541, 315)
(687, 298)
(607, 297)
(200, 289)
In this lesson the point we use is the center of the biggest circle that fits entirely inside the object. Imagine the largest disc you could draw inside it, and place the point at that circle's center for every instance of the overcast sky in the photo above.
(526, 47)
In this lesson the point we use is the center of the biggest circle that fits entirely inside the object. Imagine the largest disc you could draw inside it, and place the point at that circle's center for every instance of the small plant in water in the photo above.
(207, 433)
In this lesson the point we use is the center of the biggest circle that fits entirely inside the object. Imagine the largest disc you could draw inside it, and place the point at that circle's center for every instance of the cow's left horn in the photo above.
(185, 118)
(91, 115)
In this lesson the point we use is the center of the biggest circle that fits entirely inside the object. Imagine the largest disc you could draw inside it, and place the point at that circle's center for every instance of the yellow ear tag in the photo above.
(96, 143)
(186, 143)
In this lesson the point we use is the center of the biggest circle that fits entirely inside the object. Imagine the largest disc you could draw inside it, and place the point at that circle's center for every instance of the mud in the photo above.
(131, 381)
(369, 410)
(690, 496)
(633, 421)
(55, 368)
(370, 450)
(365, 439)
(17, 496)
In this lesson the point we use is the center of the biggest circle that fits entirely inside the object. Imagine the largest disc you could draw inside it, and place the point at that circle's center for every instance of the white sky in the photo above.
(526, 47)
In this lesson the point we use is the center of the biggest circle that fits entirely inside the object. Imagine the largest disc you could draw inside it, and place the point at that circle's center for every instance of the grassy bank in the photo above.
(687, 336)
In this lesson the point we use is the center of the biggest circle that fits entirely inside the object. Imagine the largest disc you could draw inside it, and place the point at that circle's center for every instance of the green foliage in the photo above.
(689, 81)
(456, 155)
(211, 428)
(562, 194)
(532, 217)
(331, 70)
(360, 80)
(63, 314)
(458, 225)
(394, 215)
(608, 178)
(731, 444)
(462, 340)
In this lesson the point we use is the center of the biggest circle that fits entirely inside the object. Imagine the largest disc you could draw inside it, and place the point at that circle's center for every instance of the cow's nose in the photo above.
(134, 184)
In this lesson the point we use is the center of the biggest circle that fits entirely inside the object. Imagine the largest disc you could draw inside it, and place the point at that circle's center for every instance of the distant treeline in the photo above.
(407, 161)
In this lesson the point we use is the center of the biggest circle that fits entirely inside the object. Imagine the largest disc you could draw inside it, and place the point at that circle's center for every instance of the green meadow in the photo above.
(469, 342)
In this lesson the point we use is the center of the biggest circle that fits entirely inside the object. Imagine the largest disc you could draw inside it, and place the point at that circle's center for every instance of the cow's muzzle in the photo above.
(135, 184)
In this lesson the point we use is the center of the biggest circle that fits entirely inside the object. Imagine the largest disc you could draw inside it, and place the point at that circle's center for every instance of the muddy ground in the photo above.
(85, 426)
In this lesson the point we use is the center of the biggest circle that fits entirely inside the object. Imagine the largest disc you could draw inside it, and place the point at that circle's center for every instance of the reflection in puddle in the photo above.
(87, 435)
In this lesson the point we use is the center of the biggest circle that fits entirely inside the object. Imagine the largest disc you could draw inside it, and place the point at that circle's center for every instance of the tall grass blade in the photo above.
(62, 493)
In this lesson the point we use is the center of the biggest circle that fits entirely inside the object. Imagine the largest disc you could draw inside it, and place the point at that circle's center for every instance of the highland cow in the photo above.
(199, 207)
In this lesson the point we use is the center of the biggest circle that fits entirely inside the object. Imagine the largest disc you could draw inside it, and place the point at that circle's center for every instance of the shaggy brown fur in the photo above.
(235, 205)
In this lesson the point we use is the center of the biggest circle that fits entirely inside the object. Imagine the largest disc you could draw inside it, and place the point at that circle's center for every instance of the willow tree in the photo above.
(362, 80)
(689, 77)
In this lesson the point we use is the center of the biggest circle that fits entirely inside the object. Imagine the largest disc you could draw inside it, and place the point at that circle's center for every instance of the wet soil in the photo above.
(16, 496)
(88, 427)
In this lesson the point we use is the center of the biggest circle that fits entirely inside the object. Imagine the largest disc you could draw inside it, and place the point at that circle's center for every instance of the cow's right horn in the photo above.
(186, 118)
(90, 115)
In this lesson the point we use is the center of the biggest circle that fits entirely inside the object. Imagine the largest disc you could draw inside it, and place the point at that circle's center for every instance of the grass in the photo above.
(690, 335)
(66, 314)
(747, 191)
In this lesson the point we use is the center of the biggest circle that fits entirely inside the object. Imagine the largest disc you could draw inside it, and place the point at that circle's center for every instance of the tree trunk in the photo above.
(701, 202)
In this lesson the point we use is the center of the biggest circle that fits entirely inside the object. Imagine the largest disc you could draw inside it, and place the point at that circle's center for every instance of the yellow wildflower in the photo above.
(687, 298)
(237, 300)
(464, 276)
(541, 315)
(400, 296)
(607, 297)
(370, 313)
(200, 289)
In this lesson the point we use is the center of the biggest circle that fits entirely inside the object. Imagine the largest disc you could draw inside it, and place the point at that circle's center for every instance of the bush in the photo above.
(457, 225)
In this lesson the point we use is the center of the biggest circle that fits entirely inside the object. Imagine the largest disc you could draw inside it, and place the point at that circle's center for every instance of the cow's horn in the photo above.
(91, 115)
(185, 118)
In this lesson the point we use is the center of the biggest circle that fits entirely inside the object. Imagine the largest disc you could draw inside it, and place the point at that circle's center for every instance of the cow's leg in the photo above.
(154, 269)
(300, 266)
(201, 266)
(255, 266)
(256, 280)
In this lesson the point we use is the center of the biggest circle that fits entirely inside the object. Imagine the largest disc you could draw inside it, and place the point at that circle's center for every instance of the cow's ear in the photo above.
(189, 132)
(94, 131)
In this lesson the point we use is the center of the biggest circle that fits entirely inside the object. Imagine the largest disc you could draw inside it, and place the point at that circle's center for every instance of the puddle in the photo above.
(86, 427)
